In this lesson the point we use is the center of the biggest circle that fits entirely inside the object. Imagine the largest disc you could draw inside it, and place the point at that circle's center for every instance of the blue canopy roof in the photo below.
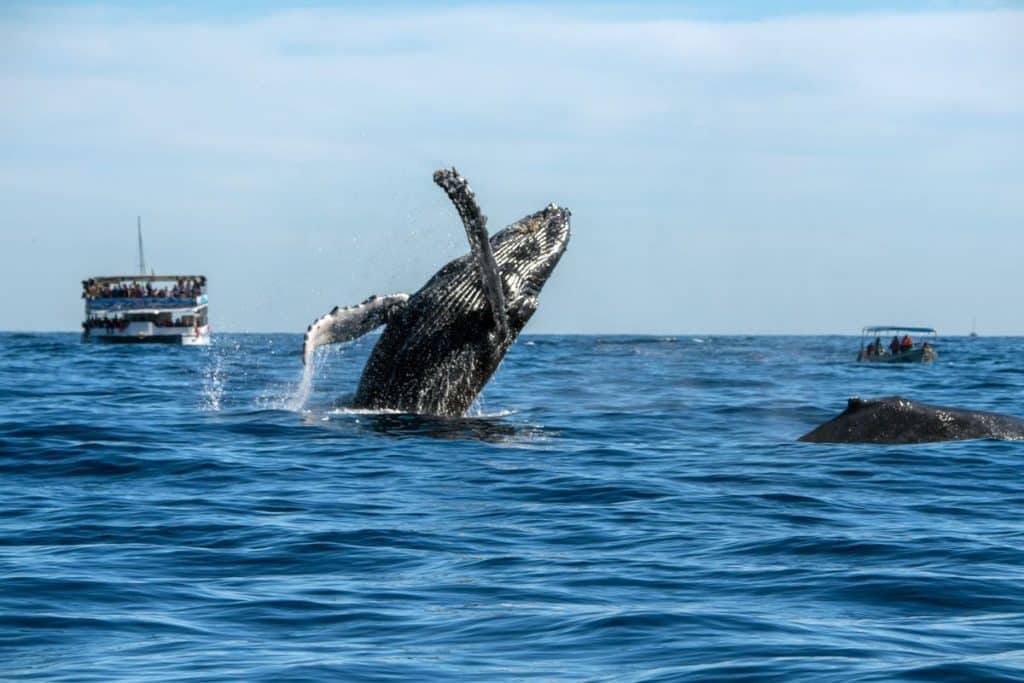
(898, 328)
(145, 302)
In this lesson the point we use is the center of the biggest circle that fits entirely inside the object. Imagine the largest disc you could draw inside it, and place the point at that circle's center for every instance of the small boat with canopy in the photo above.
(903, 348)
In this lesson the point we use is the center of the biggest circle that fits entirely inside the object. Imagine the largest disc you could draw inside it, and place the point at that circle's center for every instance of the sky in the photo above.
(732, 167)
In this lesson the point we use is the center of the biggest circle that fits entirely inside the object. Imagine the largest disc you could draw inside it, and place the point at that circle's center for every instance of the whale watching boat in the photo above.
(139, 309)
(902, 348)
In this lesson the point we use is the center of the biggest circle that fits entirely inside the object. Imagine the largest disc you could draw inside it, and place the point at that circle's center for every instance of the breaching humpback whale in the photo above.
(441, 345)
(897, 420)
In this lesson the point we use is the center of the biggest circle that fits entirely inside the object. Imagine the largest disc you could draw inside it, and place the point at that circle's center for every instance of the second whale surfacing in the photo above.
(898, 420)
(441, 344)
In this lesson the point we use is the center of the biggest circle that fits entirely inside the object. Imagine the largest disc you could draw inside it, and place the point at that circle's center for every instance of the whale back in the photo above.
(898, 420)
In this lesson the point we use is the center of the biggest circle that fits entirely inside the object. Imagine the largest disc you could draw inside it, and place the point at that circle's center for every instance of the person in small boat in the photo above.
(907, 344)
(894, 345)
(878, 347)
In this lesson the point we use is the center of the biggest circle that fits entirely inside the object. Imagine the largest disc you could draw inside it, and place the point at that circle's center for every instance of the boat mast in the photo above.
(142, 258)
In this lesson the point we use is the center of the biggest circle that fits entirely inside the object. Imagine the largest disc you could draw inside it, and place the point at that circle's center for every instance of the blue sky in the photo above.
(732, 167)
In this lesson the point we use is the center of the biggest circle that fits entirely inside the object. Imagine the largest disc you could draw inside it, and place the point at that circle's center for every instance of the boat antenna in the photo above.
(142, 258)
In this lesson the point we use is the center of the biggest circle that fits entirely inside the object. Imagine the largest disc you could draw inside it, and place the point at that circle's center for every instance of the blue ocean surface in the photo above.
(613, 509)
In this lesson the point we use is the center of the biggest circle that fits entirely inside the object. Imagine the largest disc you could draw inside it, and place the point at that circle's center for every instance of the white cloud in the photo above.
(685, 134)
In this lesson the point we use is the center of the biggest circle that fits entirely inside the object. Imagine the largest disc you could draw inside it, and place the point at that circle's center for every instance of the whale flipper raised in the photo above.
(350, 322)
(458, 190)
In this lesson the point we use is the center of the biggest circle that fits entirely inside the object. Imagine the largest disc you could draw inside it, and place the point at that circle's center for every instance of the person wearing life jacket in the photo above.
(907, 344)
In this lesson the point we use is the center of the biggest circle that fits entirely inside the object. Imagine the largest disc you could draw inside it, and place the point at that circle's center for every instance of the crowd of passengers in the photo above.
(896, 346)
(108, 324)
(184, 288)
(111, 324)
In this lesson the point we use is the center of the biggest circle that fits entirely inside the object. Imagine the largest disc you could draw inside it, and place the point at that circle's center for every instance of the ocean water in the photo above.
(615, 508)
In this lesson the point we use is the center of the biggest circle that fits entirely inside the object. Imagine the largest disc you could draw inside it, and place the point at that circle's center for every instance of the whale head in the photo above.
(526, 253)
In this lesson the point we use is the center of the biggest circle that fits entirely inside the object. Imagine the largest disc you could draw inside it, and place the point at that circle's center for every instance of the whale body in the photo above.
(440, 345)
(898, 420)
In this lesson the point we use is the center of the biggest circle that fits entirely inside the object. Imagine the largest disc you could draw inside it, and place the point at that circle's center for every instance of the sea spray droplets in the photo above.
(213, 379)
(298, 397)
(297, 401)
(213, 387)
(476, 408)
(293, 396)
(328, 379)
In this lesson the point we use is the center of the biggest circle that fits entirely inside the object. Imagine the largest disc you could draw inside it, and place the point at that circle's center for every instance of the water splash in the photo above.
(297, 397)
(476, 408)
(213, 382)
(342, 410)
(296, 402)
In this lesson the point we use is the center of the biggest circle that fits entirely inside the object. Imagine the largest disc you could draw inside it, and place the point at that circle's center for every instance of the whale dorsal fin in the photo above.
(458, 190)
(855, 403)
(345, 324)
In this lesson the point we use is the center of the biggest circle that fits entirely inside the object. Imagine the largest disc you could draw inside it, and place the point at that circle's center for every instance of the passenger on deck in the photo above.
(184, 289)
(894, 345)
(907, 344)
(878, 346)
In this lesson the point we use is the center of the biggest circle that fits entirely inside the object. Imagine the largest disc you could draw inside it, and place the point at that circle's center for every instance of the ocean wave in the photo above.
(615, 508)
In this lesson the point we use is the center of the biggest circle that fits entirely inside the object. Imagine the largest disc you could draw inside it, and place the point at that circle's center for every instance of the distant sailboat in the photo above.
(973, 333)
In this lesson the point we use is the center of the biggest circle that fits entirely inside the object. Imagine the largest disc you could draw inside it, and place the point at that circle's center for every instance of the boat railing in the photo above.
(147, 302)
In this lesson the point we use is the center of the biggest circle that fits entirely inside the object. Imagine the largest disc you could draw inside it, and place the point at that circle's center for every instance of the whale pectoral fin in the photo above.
(458, 190)
(345, 324)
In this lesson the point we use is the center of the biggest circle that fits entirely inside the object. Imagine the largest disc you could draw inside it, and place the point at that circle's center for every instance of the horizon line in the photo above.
(592, 334)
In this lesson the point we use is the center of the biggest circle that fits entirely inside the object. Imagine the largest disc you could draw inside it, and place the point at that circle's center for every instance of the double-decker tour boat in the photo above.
(139, 309)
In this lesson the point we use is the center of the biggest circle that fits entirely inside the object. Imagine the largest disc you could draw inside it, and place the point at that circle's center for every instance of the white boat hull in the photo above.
(918, 355)
(148, 333)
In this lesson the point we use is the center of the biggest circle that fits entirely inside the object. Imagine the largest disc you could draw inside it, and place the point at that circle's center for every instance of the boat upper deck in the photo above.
(144, 293)
(896, 329)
